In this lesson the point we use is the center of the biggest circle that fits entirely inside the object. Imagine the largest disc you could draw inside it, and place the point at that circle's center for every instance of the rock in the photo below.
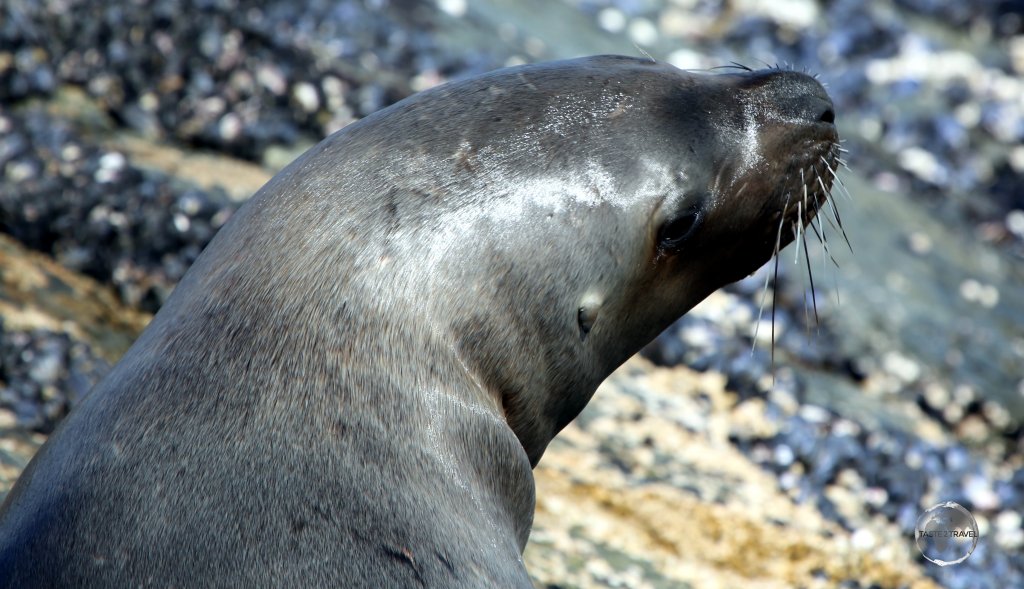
(704, 517)
(73, 330)
(38, 293)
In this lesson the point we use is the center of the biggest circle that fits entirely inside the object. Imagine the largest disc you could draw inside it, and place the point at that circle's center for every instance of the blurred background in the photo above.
(131, 130)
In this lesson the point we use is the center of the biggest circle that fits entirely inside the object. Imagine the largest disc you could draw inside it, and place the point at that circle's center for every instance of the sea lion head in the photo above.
(618, 193)
(523, 232)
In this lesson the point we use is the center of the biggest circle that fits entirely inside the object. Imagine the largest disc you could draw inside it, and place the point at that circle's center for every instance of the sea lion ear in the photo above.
(586, 315)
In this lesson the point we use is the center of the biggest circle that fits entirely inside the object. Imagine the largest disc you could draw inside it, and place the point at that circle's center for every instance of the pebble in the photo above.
(643, 32)
(611, 20)
(978, 491)
(863, 540)
(1009, 532)
(783, 455)
(42, 375)
(306, 96)
(986, 295)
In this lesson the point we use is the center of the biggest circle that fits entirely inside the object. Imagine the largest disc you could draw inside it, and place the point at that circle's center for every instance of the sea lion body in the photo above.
(352, 383)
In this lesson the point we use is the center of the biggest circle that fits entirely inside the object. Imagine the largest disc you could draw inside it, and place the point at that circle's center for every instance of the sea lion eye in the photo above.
(674, 232)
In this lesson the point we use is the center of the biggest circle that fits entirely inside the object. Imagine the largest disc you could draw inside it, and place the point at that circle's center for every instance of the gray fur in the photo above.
(352, 384)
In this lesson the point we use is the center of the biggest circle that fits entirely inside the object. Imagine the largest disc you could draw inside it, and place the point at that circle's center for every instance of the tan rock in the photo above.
(710, 518)
(36, 292)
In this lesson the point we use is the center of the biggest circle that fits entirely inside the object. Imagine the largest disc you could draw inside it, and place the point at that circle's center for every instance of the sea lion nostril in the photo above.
(794, 95)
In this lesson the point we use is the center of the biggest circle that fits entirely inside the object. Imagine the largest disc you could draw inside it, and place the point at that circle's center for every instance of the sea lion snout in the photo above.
(765, 167)
(791, 96)
(803, 98)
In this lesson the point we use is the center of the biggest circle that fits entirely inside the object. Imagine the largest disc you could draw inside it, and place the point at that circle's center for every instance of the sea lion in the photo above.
(352, 383)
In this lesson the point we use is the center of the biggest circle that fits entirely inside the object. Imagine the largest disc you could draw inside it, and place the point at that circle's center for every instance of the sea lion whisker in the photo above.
(826, 250)
(775, 300)
(732, 65)
(803, 186)
(764, 291)
(644, 52)
(830, 222)
(835, 278)
(822, 239)
(835, 213)
(843, 164)
(798, 230)
(835, 287)
(819, 231)
(810, 277)
(799, 237)
(760, 310)
(837, 155)
(775, 286)
(803, 183)
(841, 187)
(835, 176)
(824, 160)
(833, 206)
(828, 254)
